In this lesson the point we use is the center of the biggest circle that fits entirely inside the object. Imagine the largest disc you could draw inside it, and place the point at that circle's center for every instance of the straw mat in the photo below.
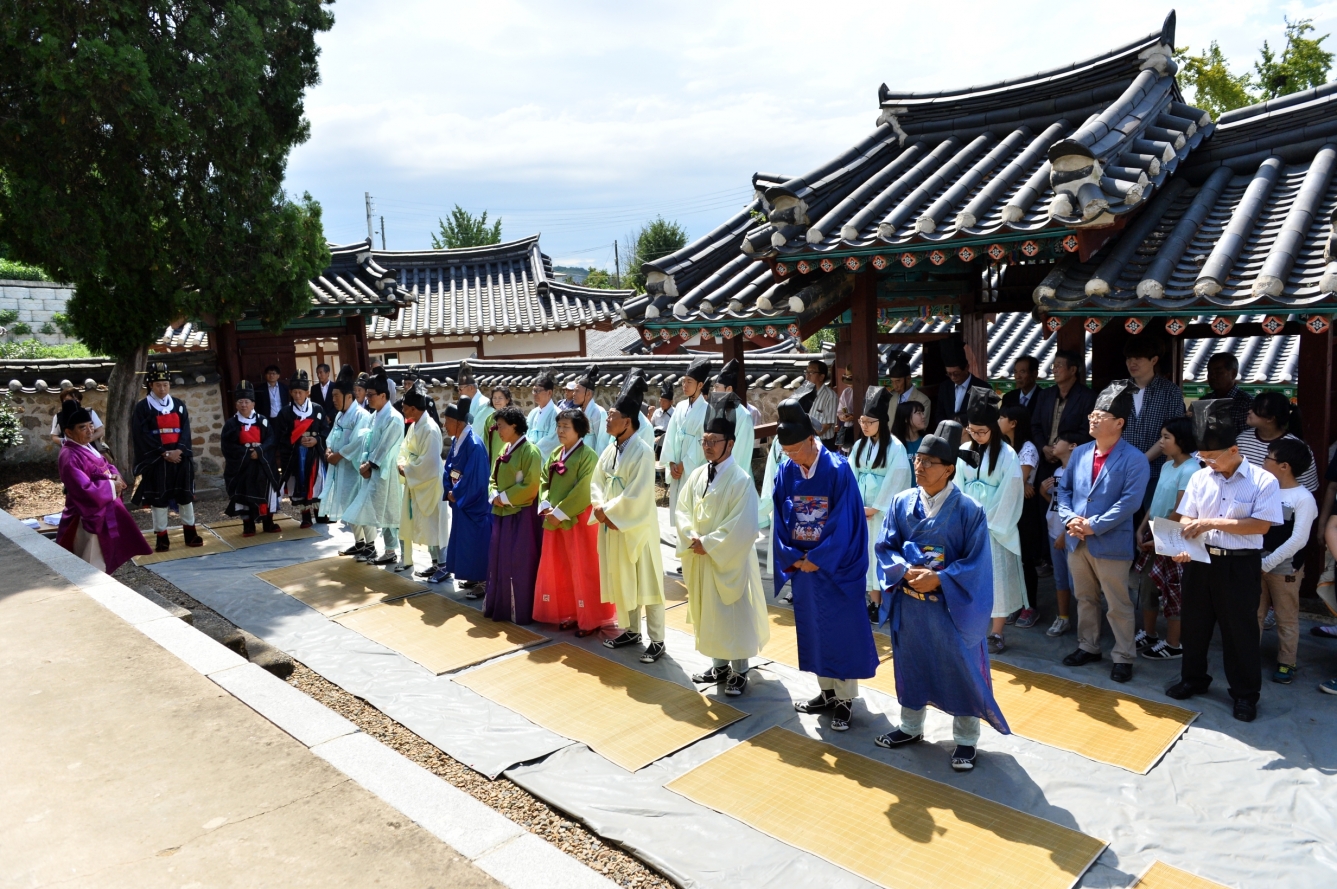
(783, 645)
(1162, 876)
(179, 550)
(335, 585)
(290, 529)
(889, 826)
(437, 633)
(624, 715)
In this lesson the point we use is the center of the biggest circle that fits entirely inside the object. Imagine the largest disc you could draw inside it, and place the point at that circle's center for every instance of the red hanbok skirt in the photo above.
(568, 581)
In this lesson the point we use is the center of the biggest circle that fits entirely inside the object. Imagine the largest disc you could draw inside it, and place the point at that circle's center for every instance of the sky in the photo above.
(581, 121)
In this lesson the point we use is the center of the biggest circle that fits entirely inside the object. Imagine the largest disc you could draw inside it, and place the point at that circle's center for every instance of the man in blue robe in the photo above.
(467, 471)
(935, 565)
(821, 542)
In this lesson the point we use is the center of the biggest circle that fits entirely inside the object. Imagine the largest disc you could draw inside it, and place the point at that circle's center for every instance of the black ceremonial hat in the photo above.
(943, 443)
(466, 375)
(729, 374)
(546, 381)
(590, 378)
(630, 402)
(898, 365)
(415, 396)
(794, 423)
(953, 352)
(459, 410)
(699, 369)
(72, 414)
(722, 414)
(344, 382)
(156, 372)
(982, 406)
(300, 381)
(1214, 424)
(244, 390)
(1117, 399)
(877, 404)
(377, 382)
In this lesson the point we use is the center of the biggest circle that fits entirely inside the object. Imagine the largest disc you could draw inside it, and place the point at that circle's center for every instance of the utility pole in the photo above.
(617, 268)
(382, 232)
(367, 195)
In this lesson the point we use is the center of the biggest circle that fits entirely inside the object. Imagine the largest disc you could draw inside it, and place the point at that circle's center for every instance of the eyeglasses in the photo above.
(1099, 417)
(713, 441)
(927, 461)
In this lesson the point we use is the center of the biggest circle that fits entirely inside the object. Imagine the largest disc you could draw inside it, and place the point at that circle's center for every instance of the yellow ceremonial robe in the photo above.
(725, 599)
(631, 569)
(423, 517)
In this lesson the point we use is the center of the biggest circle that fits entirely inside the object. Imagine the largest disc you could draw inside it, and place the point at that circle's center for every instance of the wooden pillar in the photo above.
(863, 335)
(357, 328)
(1314, 396)
(975, 332)
(1071, 337)
(733, 351)
(227, 359)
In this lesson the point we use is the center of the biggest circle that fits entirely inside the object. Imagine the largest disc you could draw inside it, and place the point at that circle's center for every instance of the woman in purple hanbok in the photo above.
(95, 524)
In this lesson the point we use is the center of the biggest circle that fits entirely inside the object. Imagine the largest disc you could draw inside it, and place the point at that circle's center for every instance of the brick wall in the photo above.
(36, 302)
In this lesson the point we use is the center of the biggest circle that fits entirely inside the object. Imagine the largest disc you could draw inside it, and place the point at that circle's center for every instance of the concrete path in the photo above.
(130, 759)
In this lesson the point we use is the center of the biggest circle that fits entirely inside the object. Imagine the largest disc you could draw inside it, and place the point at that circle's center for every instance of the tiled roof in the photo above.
(1245, 225)
(499, 288)
(354, 282)
(621, 340)
(1069, 148)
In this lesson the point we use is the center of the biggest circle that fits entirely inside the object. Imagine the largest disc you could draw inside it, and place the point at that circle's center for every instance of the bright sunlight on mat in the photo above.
(626, 716)
(437, 633)
(783, 647)
(212, 544)
(889, 826)
(339, 584)
(1162, 876)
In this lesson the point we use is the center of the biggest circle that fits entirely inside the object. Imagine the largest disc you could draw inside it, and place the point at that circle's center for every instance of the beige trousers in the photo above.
(1282, 593)
(654, 621)
(845, 689)
(1090, 578)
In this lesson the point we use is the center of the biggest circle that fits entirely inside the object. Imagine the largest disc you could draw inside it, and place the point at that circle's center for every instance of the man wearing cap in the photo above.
(343, 448)
(272, 396)
(542, 419)
(682, 442)
(821, 543)
(164, 459)
(1097, 498)
(377, 504)
(467, 472)
(933, 560)
(423, 517)
(582, 397)
(902, 386)
(717, 533)
(299, 434)
(94, 525)
(744, 436)
(622, 493)
(1230, 505)
(247, 442)
(954, 392)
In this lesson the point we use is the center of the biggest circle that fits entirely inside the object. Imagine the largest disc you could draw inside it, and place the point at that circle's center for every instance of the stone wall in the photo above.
(36, 408)
(36, 302)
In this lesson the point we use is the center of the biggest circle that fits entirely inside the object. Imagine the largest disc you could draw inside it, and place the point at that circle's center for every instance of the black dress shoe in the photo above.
(1182, 691)
(1246, 711)
(1080, 658)
(1121, 672)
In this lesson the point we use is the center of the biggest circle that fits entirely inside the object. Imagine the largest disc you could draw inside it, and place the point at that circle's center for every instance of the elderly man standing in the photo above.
(1063, 407)
(1230, 504)
(682, 441)
(1025, 373)
(542, 419)
(164, 459)
(1097, 497)
(954, 392)
(900, 383)
(582, 397)
(377, 504)
(820, 401)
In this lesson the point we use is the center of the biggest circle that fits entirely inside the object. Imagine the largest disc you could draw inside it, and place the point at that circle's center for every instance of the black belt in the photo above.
(1218, 551)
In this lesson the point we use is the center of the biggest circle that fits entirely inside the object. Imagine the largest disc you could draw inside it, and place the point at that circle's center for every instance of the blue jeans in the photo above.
(1059, 559)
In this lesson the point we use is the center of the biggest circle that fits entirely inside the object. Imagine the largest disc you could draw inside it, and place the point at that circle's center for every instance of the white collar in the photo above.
(162, 407)
(934, 503)
(567, 452)
(808, 473)
(723, 465)
(304, 411)
(248, 421)
(513, 445)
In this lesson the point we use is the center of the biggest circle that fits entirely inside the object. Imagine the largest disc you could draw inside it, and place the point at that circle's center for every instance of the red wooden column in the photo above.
(863, 334)
(733, 350)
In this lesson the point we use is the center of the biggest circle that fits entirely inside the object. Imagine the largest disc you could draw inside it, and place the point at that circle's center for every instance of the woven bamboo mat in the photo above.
(783, 646)
(290, 529)
(339, 584)
(1162, 876)
(628, 717)
(889, 826)
(212, 544)
(437, 633)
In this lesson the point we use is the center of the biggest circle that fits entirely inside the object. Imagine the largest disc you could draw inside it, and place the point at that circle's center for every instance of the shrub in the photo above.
(11, 434)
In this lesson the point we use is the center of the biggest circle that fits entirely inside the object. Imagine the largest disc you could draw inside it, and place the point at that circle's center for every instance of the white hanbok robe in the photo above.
(1001, 495)
(877, 487)
(726, 602)
(542, 423)
(682, 444)
(631, 568)
(378, 499)
(423, 517)
(346, 439)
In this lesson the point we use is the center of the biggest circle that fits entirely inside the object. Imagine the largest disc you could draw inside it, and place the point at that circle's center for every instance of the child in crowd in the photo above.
(1283, 550)
(1064, 445)
(1166, 575)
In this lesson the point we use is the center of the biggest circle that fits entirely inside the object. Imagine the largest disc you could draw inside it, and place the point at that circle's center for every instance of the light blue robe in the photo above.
(1001, 494)
(346, 440)
(597, 438)
(542, 423)
(379, 498)
(877, 486)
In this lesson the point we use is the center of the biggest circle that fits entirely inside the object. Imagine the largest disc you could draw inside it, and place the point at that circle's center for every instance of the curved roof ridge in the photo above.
(457, 254)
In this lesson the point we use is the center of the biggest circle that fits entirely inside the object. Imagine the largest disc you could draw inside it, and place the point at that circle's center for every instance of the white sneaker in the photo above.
(1058, 627)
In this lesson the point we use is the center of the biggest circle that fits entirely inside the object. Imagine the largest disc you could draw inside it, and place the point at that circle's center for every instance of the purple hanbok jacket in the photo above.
(90, 501)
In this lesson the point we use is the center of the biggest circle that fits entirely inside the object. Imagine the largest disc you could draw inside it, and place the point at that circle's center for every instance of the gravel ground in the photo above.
(513, 802)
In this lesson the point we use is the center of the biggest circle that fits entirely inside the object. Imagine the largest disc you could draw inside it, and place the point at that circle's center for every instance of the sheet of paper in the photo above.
(1170, 541)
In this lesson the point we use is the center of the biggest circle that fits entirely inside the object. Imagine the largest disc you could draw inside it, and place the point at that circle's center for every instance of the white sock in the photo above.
(187, 511)
(159, 519)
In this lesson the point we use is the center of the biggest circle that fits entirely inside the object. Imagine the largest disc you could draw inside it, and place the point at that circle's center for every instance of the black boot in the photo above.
(270, 527)
(248, 527)
(192, 536)
(306, 518)
(164, 544)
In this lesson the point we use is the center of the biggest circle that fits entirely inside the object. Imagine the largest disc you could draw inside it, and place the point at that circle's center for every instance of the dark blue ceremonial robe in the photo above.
(466, 476)
(822, 518)
(941, 654)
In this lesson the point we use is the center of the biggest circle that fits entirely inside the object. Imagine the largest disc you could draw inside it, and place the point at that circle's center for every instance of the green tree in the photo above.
(1215, 89)
(1304, 63)
(656, 238)
(465, 230)
(11, 431)
(142, 154)
(601, 278)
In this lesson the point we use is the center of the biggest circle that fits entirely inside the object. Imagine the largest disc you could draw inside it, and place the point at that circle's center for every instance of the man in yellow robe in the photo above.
(622, 492)
(423, 517)
(716, 520)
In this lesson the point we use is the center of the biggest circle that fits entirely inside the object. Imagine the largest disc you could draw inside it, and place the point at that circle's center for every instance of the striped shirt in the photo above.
(1249, 493)
(1254, 449)
(1162, 400)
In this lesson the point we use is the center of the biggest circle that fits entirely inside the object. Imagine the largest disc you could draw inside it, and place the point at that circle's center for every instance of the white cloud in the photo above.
(580, 118)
